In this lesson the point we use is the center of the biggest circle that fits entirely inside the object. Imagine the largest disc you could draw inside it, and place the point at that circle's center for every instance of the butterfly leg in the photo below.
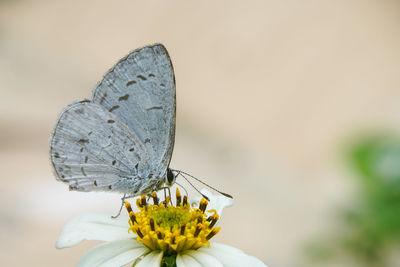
(154, 189)
(165, 193)
(120, 209)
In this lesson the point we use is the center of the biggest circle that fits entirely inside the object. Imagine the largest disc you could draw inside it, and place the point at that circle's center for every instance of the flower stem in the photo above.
(169, 261)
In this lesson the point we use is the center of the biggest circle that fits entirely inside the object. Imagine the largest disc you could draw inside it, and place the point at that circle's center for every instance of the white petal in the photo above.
(184, 260)
(152, 259)
(217, 202)
(94, 226)
(117, 253)
(203, 258)
(230, 256)
(253, 261)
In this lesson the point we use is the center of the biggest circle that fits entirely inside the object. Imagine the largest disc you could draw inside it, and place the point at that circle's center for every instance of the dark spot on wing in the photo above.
(130, 82)
(109, 136)
(152, 75)
(83, 141)
(131, 149)
(136, 166)
(83, 172)
(81, 150)
(150, 175)
(111, 121)
(86, 159)
(125, 97)
(161, 84)
(90, 133)
(56, 155)
(95, 183)
(109, 187)
(62, 176)
(142, 77)
(102, 98)
(113, 108)
(113, 162)
(155, 107)
(147, 140)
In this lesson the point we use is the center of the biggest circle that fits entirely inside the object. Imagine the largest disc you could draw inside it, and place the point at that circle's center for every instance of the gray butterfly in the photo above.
(122, 139)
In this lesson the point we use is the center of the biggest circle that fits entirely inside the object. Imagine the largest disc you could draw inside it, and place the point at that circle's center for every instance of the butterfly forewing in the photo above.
(140, 91)
(93, 150)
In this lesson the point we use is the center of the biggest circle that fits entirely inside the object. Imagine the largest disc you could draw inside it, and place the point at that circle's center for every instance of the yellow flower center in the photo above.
(162, 226)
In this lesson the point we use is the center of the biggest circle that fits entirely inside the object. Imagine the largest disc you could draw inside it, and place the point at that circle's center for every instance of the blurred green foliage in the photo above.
(374, 226)
(371, 224)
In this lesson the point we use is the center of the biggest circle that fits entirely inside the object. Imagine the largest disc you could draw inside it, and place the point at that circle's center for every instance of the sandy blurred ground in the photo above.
(267, 93)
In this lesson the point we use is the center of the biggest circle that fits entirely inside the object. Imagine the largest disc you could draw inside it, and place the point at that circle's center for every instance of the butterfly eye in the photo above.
(170, 177)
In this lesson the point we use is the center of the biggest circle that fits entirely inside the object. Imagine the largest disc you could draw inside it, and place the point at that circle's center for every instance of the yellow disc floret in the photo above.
(163, 226)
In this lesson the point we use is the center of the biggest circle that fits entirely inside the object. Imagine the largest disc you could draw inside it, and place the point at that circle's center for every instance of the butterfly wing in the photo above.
(140, 91)
(93, 150)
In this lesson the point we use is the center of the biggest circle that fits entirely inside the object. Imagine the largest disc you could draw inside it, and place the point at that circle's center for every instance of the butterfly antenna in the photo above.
(179, 173)
(197, 179)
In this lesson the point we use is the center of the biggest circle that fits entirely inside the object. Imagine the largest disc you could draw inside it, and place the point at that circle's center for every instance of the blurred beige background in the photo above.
(267, 93)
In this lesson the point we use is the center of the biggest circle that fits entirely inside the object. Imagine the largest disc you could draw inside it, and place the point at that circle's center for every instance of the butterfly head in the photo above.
(171, 177)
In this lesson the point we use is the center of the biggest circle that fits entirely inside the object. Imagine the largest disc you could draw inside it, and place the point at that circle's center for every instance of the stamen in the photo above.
(155, 198)
(152, 224)
(199, 227)
(204, 196)
(214, 219)
(211, 217)
(139, 233)
(166, 201)
(139, 203)
(213, 233)
(178, 197)
(183, 226)
(159, 234)
(203, 204)
(132, 217)
(185, 201)
(144, 202)
(128, 207)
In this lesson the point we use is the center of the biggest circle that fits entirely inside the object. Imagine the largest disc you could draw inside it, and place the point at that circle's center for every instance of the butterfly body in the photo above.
(122, 139)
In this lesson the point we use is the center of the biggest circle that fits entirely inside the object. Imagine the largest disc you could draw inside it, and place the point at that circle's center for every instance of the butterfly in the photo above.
(122, 139)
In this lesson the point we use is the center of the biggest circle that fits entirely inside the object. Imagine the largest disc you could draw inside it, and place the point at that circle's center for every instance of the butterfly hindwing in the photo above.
(93, 150)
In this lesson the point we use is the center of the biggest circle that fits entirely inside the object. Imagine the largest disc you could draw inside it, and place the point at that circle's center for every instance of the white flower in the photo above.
(155, 236)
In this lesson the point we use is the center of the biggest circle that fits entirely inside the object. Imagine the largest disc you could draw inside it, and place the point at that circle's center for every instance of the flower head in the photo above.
(155, 233)
(172, 228)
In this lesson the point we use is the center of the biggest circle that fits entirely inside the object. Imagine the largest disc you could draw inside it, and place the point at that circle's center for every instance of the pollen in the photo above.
(172, 228)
